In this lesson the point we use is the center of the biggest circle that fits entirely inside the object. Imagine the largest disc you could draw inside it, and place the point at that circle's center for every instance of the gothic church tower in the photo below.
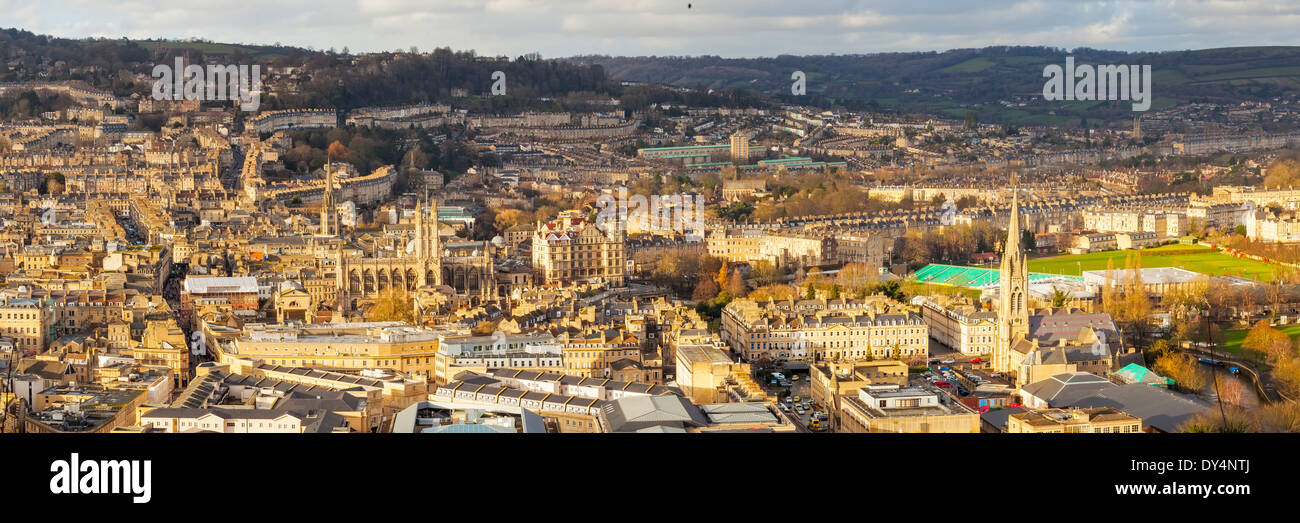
(1013, 297)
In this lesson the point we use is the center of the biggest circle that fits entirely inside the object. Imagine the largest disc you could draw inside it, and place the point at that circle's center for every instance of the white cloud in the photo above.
(637, 27)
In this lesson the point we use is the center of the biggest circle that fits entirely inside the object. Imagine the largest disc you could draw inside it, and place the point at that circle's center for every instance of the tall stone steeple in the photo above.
(344, 300)
(329, 215)
(1013, 296)
(428, 251)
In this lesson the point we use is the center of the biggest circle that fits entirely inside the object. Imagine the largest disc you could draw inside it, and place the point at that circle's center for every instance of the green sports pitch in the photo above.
(1196, 258)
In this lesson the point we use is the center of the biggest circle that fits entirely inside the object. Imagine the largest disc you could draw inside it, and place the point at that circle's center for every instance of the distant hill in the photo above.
(954, 82)
(345, 80)
(218, 49)
(949, 83)
(327, 79)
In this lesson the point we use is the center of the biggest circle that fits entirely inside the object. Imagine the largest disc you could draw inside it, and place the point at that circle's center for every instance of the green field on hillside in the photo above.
(974, 65)
(1205, 261)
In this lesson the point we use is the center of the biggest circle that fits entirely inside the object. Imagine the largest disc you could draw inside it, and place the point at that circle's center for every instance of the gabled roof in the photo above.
(1140, 374)
(643, 412)
(1063, 389)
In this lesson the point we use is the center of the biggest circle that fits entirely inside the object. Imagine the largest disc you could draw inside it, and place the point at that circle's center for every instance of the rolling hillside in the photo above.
(956, 81)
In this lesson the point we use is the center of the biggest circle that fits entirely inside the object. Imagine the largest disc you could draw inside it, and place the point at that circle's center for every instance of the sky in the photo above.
(728, 28)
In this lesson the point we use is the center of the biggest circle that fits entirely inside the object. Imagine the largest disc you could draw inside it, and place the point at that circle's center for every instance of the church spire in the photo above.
(1013, 295)
(1013, 225)
(329, 223)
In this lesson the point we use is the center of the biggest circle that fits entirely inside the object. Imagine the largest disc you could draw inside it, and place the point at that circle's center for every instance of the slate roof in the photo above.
(1062, 390)
(1159, 408)
(723, 413)
(1049, 329)
(644, 412)
(998, 418)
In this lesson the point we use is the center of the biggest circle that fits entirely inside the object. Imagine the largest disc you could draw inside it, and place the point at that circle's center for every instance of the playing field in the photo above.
(1233, 338)
(1196, 258)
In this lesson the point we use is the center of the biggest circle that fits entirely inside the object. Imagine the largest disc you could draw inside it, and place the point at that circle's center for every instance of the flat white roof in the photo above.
(207, 284)
(1149, 275)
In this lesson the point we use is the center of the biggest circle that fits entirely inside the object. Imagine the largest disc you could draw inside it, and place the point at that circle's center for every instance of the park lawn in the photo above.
(1209, 262)
(1232, 340)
